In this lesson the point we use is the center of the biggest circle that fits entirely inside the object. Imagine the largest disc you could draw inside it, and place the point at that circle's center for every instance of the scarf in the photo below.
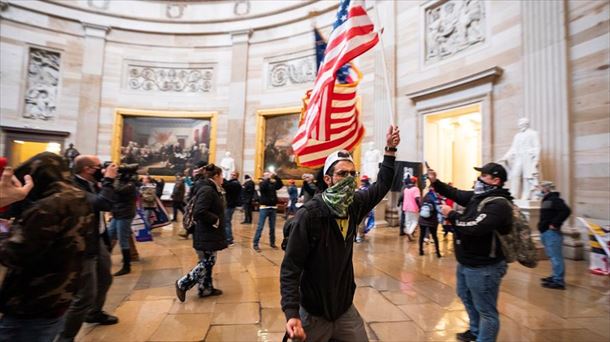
(340, 196)
(481, 187)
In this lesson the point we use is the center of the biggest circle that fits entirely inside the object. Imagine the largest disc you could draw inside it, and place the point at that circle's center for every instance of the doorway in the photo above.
(20, 144)
(452, 144)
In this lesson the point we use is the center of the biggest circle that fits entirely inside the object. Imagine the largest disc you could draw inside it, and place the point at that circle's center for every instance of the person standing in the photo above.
(96, 276)
(309, 188)
(293, 195)
(481, 262)
(178, 197)
(44, 249)
(268, 187)
(148, 199)
(411, 203)
(233, 196)
(553, 213)
(209, 235)
(428, 221)
(247, 192)
(123, 212)
(317, 273)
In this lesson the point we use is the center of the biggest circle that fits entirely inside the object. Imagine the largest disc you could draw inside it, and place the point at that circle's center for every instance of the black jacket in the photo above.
(269, 190)
(209, 213)
(320, 276)
(100, 200)
(125, 205)
(232, 192)
(247, 191)
(553, 211)
(178, 192)
(474, 231)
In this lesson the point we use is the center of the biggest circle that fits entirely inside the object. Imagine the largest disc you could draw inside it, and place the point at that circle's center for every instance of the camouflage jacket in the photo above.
(44, 254)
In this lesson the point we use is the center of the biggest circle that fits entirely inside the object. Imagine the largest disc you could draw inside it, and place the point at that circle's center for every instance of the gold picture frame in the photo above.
(156, 116)
(263, 142)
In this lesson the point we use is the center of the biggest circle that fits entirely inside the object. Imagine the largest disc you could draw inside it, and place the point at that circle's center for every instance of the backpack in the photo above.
(426, 210)
(188, 219)
(517, 244)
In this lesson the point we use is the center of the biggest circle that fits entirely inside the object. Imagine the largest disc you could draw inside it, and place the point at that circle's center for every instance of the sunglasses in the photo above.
(345, 173)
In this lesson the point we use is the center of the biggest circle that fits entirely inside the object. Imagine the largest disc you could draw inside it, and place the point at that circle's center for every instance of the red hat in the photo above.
(364, 178)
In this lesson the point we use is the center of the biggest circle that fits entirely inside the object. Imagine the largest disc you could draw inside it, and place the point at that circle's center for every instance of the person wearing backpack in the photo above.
(481, 261)
(428, 220)
(553, 212)
(209, 235)
(317, 274)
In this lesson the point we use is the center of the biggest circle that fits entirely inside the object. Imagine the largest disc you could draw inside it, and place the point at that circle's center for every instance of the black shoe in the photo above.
(181, 294)
(124, 270)
(554, 286)
(213, 292)
(421, 252)
(102, 318)
(256, 248)
(466, 336)
(402, 233)
(273, 246)
(438, 255)
(547, 279)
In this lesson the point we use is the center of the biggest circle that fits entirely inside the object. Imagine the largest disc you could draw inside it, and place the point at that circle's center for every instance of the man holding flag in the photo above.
(317, 274)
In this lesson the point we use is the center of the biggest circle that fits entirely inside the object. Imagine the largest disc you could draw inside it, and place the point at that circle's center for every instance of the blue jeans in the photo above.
(120, 229)
(478, 289)
(553, 245)
(29, 330)
(228, 227)
(264, 213)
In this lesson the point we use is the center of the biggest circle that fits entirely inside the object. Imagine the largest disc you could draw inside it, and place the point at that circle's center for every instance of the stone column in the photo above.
(90, 88)
(545, 86)
(237, 96)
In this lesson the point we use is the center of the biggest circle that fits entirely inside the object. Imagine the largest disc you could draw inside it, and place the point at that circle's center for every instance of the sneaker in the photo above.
(554, 286)
(359, 240)
(180, 293)
(102, 318)
(466, 336)
(256, 248)
(209, 293)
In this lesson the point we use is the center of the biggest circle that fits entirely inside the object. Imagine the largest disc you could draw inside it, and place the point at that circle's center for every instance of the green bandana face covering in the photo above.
(339, 196)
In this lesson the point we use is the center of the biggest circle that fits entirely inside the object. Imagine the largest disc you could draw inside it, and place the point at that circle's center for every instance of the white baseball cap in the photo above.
(335, 157)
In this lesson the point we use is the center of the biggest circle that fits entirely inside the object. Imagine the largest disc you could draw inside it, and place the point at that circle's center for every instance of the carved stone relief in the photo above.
(170, 79)
(291, 72)
(241, 7)
(42, 84)
(453, 26)
(174, 11)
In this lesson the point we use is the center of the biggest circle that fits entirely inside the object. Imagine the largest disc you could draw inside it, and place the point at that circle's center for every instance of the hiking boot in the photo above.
(554, 286)
(466, 336)
(180, 293)
(209, 293)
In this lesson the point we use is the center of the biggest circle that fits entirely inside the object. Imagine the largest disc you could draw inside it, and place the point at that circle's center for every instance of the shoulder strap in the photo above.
(490, 199)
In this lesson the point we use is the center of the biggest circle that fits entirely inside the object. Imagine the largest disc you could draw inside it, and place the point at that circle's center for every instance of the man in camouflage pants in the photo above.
(43, 252)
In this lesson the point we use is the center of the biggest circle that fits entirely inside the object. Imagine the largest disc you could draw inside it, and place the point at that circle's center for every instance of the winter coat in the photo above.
(553, 211)
(209, 211)
(432, 220)
(178, 192)
(100, 199)
(320, 275)
(125, 205)
(268, 190)
(232, 193)
(475, 230)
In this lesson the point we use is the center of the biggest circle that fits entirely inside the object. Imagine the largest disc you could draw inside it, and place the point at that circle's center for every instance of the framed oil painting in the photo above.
(163, 143)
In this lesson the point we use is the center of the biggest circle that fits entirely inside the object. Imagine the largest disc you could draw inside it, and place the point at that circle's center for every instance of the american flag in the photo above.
(330, 119)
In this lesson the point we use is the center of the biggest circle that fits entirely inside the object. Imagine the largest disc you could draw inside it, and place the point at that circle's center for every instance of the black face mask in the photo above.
(98, 175)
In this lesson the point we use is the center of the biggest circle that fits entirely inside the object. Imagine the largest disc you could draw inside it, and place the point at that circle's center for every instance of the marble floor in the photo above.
(401, 296)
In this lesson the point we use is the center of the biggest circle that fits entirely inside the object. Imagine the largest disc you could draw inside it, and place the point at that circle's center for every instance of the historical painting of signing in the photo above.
(276, 129)
(163, 143)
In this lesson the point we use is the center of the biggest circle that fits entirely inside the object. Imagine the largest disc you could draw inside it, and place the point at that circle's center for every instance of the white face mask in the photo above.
(481, 187)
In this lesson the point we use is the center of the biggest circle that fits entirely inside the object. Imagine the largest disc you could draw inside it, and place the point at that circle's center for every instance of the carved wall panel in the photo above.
(42, 84)
(170, 79)
(295, 71)
(452, 26)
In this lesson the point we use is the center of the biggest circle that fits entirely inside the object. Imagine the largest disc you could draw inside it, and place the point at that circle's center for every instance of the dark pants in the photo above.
(422, 235)
(95, 280)
(178, 206)
(200, 274)
(228, 224)
(13, 329)
(348, 327)
(247, 211)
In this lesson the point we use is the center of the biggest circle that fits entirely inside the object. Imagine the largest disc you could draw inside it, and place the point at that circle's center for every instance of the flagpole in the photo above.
(385, 67)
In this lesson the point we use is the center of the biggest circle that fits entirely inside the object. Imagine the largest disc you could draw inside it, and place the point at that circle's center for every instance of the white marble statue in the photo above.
(522, 160)
(372, 158)
(227, 164)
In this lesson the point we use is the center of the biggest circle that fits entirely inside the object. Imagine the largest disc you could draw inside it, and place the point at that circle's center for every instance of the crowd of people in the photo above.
(57, 252)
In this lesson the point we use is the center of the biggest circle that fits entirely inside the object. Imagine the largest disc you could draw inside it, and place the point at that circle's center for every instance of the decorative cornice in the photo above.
(242, 36)
(94, 30)
(486, 76)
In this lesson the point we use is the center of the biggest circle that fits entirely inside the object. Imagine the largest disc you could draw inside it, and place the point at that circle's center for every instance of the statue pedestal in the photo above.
(392, 212)
(380, 208)
(573, 247)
